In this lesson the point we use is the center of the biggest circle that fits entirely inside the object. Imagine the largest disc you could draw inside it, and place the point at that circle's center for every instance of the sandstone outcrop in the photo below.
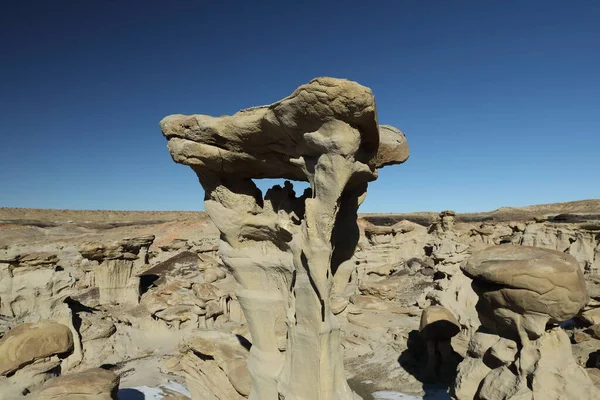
(445, 222)
(33, 287)
(93, 384)
(30, 354)
(512, 356)
(118, 265)
(216, 362)
(523, 288)
(125, 249)
(30, 282)
(283, 249)
(27, 343)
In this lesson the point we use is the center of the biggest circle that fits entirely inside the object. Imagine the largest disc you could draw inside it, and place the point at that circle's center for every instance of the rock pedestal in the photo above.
(438, 325)
(116, 275)
(284, 249)
(515, 355)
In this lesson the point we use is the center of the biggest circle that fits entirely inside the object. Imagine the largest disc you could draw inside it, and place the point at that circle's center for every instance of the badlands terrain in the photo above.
(295, 296)
(145, 296)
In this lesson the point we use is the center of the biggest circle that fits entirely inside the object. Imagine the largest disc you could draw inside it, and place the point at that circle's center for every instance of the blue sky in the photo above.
(500, 100)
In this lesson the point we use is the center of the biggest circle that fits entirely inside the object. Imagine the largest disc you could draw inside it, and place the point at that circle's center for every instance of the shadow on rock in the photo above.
(437, 379)
(593, 360)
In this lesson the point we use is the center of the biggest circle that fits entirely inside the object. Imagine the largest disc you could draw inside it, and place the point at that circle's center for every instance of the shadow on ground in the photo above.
(130, 394)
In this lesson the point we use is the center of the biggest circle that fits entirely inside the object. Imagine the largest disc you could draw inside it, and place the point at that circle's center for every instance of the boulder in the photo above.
(513, 356)
(228, 352)
(29, 342)
(93, 384)
(523, 288)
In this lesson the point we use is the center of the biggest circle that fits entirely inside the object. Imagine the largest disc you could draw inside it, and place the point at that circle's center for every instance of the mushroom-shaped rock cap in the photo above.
(393, 147)
(540, 284)
(438, 323)
(26, 343)
(127, 248)
(327, 115)
(93, 384)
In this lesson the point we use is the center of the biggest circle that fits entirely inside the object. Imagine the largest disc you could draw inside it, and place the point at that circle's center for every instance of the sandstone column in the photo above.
(284, 249)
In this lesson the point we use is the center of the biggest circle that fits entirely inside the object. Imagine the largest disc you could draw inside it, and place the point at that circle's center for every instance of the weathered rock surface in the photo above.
(544, 368)
(30, 354)
(44, 276)
(125, 249)
(31, 283)
(27, 343)
(228, 353)
(437, 327)
(93, 384)
(264, 142)
(284, 250)
(120, 262)
(522, 288)
(438, 324)
(29, 378)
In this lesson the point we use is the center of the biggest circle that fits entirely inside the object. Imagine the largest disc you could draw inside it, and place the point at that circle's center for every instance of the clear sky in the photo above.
(499, 100)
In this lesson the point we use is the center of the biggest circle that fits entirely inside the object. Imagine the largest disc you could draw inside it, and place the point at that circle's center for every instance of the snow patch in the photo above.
(436, 394)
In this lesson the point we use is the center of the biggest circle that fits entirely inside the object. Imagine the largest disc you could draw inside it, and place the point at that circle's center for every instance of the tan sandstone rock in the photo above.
(522, 288)
(438, 324)
(119, 264)
(228, 352)
(29, 342)
(93, 384)
(282, 248)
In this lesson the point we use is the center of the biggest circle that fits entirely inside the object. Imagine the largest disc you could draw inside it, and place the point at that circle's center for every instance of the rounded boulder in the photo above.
(522, 288)
(29, 342)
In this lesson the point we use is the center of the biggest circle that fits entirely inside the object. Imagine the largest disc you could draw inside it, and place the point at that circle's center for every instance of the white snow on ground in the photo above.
(437, 394)
(152, 393)
(395, 396)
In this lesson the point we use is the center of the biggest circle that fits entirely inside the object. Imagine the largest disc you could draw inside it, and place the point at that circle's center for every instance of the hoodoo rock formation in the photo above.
(115, 275)
(437, 327)
(522, 288)
(515, 354)
(284, 250)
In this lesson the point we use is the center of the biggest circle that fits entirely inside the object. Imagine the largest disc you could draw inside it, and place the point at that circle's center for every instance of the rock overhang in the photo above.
(273, 141)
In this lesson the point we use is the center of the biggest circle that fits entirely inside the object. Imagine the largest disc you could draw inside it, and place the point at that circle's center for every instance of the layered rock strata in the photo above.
(118, 265)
